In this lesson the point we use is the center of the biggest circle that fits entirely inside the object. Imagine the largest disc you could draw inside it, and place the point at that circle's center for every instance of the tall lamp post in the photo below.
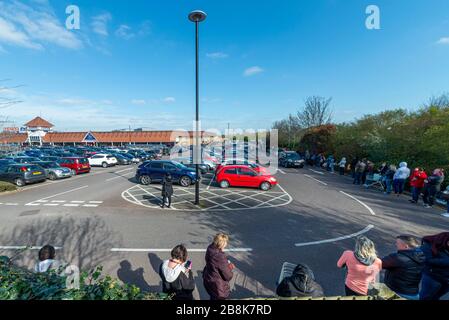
(197, 16)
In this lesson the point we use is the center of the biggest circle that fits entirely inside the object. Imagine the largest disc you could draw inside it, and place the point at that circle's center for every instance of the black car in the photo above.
(291, 159)
(122, 160)
(22, 174)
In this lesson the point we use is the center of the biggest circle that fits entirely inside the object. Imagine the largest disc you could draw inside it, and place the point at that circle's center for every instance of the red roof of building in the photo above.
(6, 138)
(39, 122)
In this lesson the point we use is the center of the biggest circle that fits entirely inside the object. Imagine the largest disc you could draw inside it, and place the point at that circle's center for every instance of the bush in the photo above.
(18, 283)
(5, 186)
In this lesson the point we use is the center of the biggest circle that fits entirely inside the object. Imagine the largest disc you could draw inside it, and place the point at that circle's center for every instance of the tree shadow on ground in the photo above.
(85, 242)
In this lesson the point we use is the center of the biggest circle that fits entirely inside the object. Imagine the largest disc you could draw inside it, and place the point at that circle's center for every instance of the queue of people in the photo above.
(423, 185)
(418, 270)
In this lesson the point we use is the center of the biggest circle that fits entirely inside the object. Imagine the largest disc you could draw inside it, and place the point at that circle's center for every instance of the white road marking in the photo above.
(11, 204)
(76, 201)
(71, 205)
(210, 183)
(65, 192)
(368, 228)
(127, 169)
(32, 204)
(51, 204)
(169, 250)
(319, 172)
(362, 203)
(58, 201)
(98, 202)
(42, 201)
(90, 205)
(319, 181)
(281, 171)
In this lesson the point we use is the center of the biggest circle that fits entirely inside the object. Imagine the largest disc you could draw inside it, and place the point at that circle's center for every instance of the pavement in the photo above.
(106, 218)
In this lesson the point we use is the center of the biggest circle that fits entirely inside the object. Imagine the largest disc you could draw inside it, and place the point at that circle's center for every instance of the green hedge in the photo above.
(5, 186)
(18, 283)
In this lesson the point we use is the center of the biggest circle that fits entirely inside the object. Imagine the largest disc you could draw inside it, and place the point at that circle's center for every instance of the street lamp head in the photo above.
(197, 16)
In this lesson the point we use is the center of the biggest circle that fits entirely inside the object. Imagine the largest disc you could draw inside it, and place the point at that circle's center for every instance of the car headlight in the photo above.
(58, 171)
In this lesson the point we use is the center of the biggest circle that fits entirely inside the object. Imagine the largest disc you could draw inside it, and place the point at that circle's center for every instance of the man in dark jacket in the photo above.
(300, 284)
(218, 270)
(433, 187)
(167, 190)
(435, 281)
(404, 268)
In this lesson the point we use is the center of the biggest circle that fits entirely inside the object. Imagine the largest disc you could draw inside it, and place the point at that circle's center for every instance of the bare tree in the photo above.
(316, 112)
(441, 101)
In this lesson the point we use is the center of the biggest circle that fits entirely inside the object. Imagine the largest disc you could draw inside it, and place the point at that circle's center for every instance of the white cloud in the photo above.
(100, 24)
(125, 32)
(138, 102)
(444, 41)
(169, 100)
(217, 55)
(253, 71)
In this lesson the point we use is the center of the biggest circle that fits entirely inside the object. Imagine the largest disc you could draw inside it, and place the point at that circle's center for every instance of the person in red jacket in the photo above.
(417, 182)
(218, 270)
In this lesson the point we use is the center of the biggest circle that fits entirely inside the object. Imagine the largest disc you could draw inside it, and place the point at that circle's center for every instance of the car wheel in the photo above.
(145, 180)
(73, 172)
(185, 181)
(104, 165)
(224, 184)
(19, 182)
(265, 186)
(52, 176)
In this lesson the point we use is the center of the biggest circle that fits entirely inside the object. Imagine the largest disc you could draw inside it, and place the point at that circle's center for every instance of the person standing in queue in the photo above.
(218, 270)
(167, 190)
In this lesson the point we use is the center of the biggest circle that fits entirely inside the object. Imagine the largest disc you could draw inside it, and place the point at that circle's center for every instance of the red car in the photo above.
(75, 164)
(244, 176)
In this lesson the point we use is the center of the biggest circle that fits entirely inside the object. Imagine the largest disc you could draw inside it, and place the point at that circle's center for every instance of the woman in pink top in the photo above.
(362, 265)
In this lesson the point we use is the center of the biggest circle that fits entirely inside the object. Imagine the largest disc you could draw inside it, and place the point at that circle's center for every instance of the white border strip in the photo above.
(362, 203)
(368, 228)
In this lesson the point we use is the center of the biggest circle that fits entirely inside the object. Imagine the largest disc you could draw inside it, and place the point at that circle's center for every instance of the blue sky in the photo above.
(132, 62)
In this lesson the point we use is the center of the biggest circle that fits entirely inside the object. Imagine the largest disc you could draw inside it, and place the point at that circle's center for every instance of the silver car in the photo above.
(54, 171)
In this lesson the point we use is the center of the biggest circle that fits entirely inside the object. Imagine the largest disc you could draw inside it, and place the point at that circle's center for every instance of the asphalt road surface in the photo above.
(103, 218)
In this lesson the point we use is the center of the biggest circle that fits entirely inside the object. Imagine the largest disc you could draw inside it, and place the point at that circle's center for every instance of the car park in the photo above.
(22, 174)
(102, 160)
(130, 157)
(54, 171)
(291, 159)
(155, 171)
(244, 176)
(77, 165)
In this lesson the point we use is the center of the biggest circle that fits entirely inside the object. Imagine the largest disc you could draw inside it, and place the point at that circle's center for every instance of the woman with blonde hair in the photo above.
(363, 267)
(218, 271)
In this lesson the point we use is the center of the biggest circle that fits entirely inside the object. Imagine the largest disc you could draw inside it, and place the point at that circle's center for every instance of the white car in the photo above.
(102, 160)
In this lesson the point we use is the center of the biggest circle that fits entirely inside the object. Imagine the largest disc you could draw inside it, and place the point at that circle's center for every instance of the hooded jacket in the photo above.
(300, 284)
(176, 282)
(403, 172)
(217, 274)
(404, 271)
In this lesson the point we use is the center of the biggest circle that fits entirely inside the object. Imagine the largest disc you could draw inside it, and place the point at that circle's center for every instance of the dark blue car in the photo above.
(155, 171)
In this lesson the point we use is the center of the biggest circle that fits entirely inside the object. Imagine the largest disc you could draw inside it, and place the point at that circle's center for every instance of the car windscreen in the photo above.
(179, 165)
(33, 168)
(293, 156)
(83, 161)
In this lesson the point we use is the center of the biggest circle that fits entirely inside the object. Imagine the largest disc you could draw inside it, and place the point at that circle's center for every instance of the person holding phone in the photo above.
(218, 271)
(176, 275)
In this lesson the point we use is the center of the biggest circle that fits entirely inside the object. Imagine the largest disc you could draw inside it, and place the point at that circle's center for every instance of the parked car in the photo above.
(102, 160)
(6, 162)
(122, 160)
(49, 158)
(155, 171)
(188, 163)
(291, 159)
(75, 164)
(130, 157)
(54, 171)
(24, 159)
(244, 176)
(22, 174)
